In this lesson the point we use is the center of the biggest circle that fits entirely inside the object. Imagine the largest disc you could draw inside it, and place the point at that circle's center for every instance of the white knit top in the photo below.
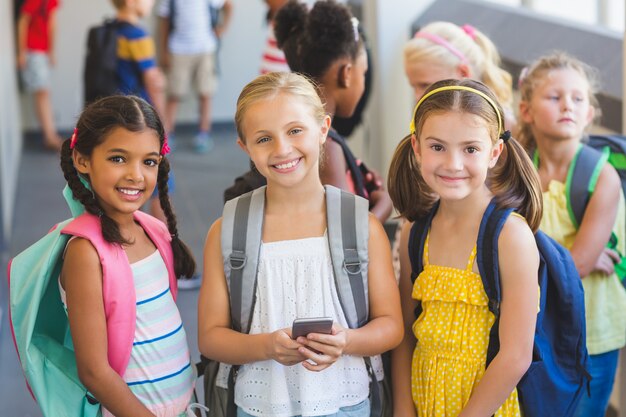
(296, 280)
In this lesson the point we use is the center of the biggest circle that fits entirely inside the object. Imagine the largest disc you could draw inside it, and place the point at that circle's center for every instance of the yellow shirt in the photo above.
(605, 298)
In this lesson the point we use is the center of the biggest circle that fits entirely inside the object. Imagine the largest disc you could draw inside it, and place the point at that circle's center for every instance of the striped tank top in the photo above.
(159, 371)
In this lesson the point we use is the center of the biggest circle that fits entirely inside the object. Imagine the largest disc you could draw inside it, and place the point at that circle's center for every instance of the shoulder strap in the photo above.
(242, 227)
(487, 258)
(417, 240)
(348, 233)
(357, 176)
(581, 181)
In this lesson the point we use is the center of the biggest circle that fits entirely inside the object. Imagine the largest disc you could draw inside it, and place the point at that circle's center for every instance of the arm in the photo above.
(216, 339)
(82, 279)
(598, 221)
(227, 12)
(154, 81)
(163, 33)
(52, 28)
(22, 33)
(402, 356)
(333, 168)
(384, 328)
(519, 265)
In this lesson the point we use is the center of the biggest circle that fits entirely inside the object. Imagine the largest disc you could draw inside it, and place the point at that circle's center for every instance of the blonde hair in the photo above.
(537, 71)
(513, 180)
(269, 86)
(481, 55)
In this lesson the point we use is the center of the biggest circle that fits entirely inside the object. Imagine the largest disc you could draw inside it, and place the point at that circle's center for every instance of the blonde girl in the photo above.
(557, 107)
(452, 158)
(442, 50)
(282, 125)
(112, 164)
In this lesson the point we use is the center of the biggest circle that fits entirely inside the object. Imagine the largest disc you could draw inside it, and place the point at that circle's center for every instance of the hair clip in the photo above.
(74, 138)
(470, 30)
(522, 75)
(505, 136)
(165, 149)
(355, 28)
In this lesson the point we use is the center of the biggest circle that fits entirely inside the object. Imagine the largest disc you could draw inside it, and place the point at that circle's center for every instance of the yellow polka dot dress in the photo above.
(452, 337)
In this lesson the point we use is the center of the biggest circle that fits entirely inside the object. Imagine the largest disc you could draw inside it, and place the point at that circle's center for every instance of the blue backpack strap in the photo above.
(581, 180)
(417, 240)
(487, 258)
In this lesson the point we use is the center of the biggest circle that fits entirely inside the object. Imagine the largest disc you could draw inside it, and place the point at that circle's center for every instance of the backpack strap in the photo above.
(582, 178)
(487, 258)
(417, 240)
(353, 167)
(347, 217)
(242, 226)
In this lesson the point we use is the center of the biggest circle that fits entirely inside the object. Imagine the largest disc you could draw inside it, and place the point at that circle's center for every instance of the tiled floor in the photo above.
(200, 181)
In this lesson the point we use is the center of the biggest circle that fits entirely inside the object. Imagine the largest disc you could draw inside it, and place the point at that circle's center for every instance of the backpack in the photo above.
(39, 324)
(242, 221)
(100, 78)
(554, 383)
(589, 161)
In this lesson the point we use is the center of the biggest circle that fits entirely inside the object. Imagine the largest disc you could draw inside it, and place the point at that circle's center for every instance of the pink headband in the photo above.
(442, 42)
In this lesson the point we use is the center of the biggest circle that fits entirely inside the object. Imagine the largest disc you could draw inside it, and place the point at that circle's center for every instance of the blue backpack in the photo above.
(555, 380)
(583, 175)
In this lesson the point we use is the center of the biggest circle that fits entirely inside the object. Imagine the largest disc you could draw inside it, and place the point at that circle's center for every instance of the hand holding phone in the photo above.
(304, 326)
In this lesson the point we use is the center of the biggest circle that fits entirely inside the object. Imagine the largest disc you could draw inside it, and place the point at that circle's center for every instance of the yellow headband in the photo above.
(463, 88)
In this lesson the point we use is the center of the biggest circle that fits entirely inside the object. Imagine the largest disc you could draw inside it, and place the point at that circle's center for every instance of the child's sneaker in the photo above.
(203, 142)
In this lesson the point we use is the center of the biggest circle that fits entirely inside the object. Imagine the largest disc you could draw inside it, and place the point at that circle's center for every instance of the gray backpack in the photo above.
(348, 233)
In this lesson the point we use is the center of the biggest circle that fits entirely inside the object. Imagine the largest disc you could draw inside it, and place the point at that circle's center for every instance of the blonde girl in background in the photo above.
(450, 163)
(442, 50)
(282, 125)
(556, 109)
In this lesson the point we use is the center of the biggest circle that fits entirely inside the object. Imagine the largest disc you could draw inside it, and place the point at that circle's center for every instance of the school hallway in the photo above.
(198, 201)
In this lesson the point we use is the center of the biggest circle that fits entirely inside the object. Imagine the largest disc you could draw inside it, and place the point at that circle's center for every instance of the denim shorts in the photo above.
(602, 368)
(361, 409)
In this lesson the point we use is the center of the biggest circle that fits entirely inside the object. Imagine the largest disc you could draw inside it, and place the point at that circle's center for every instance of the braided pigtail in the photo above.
(184, 263)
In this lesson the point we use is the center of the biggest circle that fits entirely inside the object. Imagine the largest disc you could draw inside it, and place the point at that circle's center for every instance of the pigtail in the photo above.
(516, 183)
(110, 229)
(184, 263)
(493, 76)
(411, 196)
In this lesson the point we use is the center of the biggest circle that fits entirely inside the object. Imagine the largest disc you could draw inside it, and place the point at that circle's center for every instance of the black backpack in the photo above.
(100, 76)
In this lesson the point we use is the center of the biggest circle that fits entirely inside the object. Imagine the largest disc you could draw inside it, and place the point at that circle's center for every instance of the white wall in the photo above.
(239, 57)
(388, 23)
(10, 124)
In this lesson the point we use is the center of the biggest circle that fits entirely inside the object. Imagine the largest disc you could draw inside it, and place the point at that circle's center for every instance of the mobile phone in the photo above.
(304, 326)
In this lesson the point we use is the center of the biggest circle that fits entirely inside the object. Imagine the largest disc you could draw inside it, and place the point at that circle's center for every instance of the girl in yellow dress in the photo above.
(457, 137)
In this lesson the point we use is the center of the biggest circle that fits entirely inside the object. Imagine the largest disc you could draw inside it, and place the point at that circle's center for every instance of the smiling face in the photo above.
(559, 108)
(455, 152)
(122, 170)
(283, 139)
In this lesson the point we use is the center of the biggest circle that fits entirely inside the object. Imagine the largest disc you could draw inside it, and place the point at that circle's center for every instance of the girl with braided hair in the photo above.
(112, 163)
